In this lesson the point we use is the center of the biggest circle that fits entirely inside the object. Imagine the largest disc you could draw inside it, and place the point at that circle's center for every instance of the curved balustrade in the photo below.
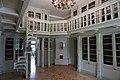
(105, 13)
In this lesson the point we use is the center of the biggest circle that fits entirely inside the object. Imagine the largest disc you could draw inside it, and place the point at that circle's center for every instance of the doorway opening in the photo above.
(73, 51)
(33, 59)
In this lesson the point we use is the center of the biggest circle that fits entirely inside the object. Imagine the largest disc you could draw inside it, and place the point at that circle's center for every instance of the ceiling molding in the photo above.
(56, 16)
(68, 16)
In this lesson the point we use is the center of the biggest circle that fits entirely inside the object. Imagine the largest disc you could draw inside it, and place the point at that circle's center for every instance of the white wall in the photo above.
(63, 51)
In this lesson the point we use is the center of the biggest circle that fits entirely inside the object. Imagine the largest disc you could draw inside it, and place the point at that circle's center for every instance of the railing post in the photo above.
(105, 14)
(40, 26)
(63, 26)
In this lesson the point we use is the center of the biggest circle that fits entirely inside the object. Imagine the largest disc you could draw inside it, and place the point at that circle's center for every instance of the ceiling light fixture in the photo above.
(64, 4)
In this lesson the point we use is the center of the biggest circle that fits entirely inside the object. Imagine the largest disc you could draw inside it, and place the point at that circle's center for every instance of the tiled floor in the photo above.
(52, 73)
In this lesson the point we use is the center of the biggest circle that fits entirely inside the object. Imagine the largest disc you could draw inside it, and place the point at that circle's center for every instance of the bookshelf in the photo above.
(9, 48)
(107, 50)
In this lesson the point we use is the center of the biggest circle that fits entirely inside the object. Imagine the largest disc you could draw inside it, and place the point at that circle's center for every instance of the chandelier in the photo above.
(64, 4)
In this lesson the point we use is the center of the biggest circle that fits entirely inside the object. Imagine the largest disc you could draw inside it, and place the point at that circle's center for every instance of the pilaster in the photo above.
(99, 55)
(42, 52)
(79, 53)
(48, 52)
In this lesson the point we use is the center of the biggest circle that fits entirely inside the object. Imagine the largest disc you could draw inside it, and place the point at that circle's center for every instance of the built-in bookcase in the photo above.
(117, 39)
(107, 50)
(111, 50)
(92, 45)
(89, 49)
(9, 48)
(84, 48)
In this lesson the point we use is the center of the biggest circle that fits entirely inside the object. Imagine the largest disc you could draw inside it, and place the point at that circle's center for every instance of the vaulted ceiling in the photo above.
(11, 11)
(46, 4)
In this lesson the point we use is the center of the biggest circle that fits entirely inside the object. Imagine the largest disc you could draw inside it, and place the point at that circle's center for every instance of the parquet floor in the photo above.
(52, 73)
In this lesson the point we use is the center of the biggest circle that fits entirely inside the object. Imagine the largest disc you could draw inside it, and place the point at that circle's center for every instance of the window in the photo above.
(84, 9)
(45, 16)
(107, 50)
(9, 51)
(84, 20)
(75, 23)
(35, 25)
(31, 25)
(38, 25)
(70, 25)
(108, 13)
(65, 28)
(81, 21)
(78, 23)
(97, 17)
(45, 27)
(50, 27)
(104, 1)
(75, 13)
(41, 26)
(61, 26)
(115, 10)
(88, 19)
(31, 14)
(103, 15)
(91, 5)
(93, 18)
(57, 26)
(38, 15)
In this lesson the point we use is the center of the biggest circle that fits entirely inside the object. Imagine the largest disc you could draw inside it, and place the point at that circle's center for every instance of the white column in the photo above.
(48, 52)
(38, 52)
(99, 55)
(79, 53)
(42, 52)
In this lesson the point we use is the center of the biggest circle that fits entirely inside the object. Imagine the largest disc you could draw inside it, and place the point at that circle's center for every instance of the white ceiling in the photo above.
(46, 4)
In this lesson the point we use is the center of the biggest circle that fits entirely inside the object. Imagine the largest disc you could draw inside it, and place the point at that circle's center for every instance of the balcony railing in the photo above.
(105, 13)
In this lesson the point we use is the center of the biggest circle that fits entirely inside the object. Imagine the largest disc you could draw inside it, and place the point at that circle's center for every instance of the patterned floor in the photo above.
(52, 73)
